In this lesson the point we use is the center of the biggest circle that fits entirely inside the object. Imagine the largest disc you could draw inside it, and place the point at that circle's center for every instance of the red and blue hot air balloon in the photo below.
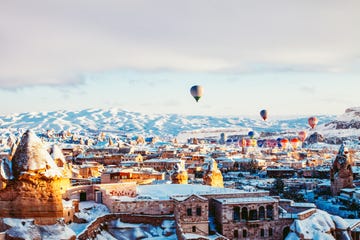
(264, 114)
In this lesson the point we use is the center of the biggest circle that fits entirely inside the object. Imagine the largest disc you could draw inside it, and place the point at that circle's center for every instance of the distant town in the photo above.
(60, 185)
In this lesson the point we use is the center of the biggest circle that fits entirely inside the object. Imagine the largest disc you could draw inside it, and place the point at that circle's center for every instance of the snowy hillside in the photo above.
(116, 121)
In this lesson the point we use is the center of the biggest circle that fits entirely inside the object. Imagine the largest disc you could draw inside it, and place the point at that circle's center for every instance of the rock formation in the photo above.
(179, 175)
(315, 138)
(341, 175)
(64, 167)
(349, 120)
(213, 176)
(33, 183)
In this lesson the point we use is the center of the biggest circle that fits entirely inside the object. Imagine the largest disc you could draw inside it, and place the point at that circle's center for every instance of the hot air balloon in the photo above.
(253, 142)
(197, 92)
(313, 121)
(242, 142)
(263, 114)
(302, 136)
(284, 142)
(251, 134)
(294, 142)
(260, 143)
(271, 143)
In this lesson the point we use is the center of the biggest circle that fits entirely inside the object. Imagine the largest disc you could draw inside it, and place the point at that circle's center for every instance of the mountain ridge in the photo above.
(119, 121)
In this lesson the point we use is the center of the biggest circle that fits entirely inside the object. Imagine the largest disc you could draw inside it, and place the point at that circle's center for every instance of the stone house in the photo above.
(192, 214)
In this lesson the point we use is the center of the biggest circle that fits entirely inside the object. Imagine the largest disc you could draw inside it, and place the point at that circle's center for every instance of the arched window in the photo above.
(262, 232)
(253, 214)
(261, 213)
(269, 212)
(194, 229)
(244, 213)
(236, 214)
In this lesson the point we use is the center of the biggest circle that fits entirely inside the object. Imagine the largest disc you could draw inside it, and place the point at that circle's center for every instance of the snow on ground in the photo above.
(104, 235)
(26, 229)
(89, 211)
(124, 231)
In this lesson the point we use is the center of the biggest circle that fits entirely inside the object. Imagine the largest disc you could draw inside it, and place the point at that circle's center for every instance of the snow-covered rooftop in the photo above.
(165, 191)
(247, 200)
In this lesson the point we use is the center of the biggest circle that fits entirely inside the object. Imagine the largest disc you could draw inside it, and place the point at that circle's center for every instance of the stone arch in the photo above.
(236, 213)
(269, 211)
(261, 212)
(244, 213)
(253, 214)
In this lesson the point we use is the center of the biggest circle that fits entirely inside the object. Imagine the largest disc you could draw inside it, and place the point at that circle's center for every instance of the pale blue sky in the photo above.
(290, 57)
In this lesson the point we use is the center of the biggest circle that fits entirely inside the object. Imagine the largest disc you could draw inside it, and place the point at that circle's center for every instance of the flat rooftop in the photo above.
(165, 191)
(246, 200)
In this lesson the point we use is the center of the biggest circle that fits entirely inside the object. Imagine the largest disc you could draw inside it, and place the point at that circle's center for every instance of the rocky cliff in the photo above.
(33, 183)
(350, 119)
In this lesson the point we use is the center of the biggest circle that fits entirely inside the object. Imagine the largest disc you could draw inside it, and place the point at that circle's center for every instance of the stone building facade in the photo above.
(192, 214)
(249, 218)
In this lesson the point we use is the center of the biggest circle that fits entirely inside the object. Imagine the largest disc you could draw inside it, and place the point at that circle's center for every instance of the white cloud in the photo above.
(55, 42)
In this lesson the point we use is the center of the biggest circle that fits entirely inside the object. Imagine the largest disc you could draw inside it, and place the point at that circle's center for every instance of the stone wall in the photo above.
(148, 207)
(271, 229)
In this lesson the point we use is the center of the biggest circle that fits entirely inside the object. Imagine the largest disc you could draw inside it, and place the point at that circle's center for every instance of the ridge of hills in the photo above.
(118, 121)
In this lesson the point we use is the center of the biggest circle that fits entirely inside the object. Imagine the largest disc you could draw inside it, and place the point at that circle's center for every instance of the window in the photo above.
(236, 214)
(189, 211)
(236, 233)
(244, 233)
(244, 213)
(194, 229)
(198, 211)
(270, 232)
(269, 211)
(262, 232)
(261, 212)
(253, 214)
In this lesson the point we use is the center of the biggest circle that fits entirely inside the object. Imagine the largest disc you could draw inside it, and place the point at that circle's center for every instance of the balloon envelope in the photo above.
(284, 142)
(294, 142)
(242, 142)
(197, 92)
(313, 121)
(251, 134)
(260, 143)
(263, 114)
(302, 136)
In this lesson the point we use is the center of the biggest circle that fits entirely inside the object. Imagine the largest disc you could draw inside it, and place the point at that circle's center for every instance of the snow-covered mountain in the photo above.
(124, 122)
(117, 122)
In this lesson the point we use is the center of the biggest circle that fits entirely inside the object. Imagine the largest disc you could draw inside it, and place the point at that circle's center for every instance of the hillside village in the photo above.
(59, 185)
